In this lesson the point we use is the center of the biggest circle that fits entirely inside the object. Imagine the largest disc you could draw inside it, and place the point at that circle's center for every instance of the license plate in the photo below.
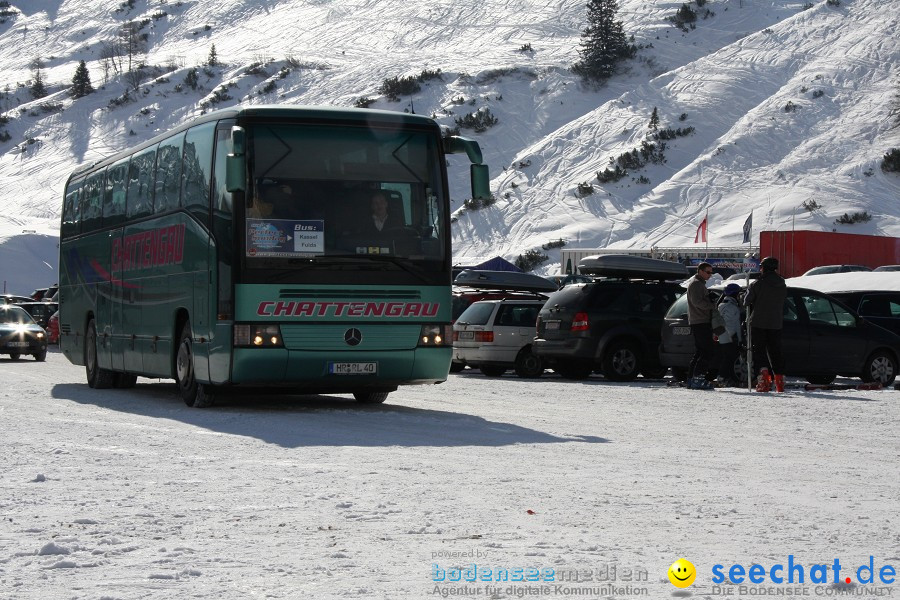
(681, 330)
(466, 335)
(353, 368)
(17, 344)
(551, 324)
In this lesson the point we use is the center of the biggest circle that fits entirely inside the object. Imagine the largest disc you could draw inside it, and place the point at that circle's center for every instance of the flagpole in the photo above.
(706, 220)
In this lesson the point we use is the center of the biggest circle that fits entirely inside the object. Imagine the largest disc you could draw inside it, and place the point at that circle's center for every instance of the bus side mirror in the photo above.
(235, 166)
(481, 182)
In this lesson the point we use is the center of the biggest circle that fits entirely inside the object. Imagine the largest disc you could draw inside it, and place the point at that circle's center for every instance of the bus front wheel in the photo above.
(97, 378)
(194, 394)
(370, 397)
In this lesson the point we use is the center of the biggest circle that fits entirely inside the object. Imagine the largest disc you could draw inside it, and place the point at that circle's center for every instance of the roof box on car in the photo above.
(504, 280)
(631, 267)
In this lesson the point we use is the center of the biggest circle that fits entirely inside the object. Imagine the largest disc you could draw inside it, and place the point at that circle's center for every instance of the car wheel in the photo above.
(370, 397)
(528, 365)
(881, 366)
(14, 355)
(621, 362)
(194, 394)
(821, 379)
(492, 370)
(97, 378)
(576, 370)
(41, 356)
(124, 380)
(456, 367)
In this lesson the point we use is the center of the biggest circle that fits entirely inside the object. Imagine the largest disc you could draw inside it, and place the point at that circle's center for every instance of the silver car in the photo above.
(496, 335)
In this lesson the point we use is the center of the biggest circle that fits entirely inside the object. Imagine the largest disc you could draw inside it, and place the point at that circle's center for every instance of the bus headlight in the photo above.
(257, 335)
(435, 335)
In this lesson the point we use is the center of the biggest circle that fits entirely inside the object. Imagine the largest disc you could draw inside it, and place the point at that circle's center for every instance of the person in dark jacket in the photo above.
(700, 309)
(765, 304)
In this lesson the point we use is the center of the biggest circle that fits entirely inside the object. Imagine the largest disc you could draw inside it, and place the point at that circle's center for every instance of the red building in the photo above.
(799, 251)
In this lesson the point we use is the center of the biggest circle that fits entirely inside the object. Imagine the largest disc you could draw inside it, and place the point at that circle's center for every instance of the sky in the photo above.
(730, 78)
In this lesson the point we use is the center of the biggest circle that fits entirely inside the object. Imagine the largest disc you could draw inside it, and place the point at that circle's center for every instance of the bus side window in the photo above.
(140, 184)
(198, 158)
(168, 174)
(71, 222)
(114, 194)
(92, 202)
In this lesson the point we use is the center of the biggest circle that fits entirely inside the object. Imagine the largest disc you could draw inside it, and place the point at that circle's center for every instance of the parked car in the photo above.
(53, 328)
(473, 285)
(609, 325)
(13, 299)
(887, 268)
(496, 335)
(821, 339)
(38, 293)
(19, 334)
(827, 269)
(40, 311)
(879, 307)
(743, 276)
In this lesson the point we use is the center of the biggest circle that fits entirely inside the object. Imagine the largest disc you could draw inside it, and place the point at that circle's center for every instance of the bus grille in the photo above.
(330, 337)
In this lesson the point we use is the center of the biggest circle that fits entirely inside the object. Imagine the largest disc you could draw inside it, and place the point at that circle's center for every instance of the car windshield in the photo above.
(13, 315)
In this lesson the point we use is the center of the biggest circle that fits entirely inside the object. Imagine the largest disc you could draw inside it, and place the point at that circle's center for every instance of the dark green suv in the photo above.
(611, 326)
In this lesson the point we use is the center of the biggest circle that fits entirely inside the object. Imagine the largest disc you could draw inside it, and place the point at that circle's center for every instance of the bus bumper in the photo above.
(339, 371)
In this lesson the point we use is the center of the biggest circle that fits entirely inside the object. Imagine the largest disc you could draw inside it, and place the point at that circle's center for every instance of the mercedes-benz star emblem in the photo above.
(353, 337)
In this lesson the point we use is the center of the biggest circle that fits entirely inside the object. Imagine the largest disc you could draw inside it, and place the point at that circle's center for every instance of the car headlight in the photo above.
(257, 335)
(436, 335)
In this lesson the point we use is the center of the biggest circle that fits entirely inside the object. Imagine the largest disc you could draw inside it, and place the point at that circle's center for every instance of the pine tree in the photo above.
(654, 120)
(213, 59)
(603, 42)
(81, 82)
(38, 89)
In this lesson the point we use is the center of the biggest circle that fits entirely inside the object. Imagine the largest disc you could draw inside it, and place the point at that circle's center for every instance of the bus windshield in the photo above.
(326, 195)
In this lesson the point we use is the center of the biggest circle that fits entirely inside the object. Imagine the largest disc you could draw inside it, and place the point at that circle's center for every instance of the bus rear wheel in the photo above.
(194, 394)
(97, 378)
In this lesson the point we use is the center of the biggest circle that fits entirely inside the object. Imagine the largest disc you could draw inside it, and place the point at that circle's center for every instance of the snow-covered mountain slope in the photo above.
(790, 102)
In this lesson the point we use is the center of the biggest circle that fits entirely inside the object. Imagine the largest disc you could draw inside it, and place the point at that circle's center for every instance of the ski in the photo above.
(843, 386)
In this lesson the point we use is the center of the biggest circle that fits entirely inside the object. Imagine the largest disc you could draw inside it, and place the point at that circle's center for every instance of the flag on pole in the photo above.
(748, 227)
(701, 232)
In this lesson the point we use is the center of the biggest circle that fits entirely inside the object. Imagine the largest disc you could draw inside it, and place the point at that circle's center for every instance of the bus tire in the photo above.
(370, 397)
(194, 394)
(97, 378)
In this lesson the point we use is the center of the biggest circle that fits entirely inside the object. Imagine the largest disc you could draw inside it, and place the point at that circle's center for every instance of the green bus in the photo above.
(248, 249)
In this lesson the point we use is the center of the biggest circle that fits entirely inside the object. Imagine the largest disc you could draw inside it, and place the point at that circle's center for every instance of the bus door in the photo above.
(114, 215)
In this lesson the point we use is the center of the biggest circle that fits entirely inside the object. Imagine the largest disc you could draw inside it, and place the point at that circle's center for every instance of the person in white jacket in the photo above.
(730, 341)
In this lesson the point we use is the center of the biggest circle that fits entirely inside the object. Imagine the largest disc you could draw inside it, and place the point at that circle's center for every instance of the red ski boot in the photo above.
(764, 381)
(779, 383)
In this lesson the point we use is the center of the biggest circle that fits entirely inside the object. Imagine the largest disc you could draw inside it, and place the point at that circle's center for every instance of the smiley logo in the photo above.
(682, 573)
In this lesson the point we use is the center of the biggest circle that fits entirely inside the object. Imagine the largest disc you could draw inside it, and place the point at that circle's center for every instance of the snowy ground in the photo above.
(130, 494)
